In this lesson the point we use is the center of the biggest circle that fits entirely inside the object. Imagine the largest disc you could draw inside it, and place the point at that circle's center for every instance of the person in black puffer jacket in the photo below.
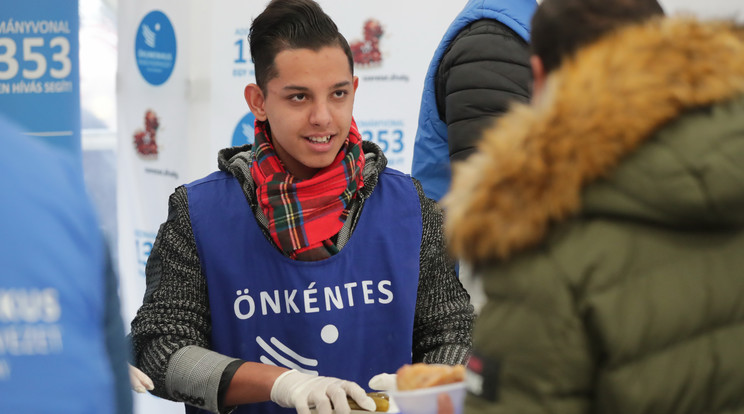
(482, 66)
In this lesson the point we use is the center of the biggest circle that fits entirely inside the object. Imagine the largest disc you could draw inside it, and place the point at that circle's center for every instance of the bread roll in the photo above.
(420, 375)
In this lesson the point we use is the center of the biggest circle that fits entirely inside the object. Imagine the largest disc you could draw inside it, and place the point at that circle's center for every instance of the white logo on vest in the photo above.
(289, 358)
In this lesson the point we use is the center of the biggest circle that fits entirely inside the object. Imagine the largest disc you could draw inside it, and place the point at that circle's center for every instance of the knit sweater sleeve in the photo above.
(443, 321)
(171, 331)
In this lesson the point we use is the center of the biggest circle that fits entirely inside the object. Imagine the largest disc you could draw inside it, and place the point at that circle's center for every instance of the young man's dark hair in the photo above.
(560, 27)
(291, 24)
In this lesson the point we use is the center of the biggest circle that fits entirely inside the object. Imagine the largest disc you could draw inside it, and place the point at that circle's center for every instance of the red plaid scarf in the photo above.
(305, 214)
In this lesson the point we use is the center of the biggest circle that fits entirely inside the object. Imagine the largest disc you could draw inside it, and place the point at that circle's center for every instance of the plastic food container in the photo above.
(424, 400)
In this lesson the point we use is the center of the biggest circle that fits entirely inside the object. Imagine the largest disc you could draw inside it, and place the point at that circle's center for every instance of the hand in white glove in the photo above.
(384, 382)
(301, 391)
(139, 380)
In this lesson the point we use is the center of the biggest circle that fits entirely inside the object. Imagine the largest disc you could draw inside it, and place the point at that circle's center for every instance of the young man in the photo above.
(303, 266)
(606, 219)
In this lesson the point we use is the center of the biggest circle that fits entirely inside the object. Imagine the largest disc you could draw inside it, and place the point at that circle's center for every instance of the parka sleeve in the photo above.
(171, 331)
(443, 321)
(485, 69)
(531, 352)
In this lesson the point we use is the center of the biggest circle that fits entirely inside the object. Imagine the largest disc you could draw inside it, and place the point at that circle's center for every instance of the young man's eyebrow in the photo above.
(305, 88)
(296, 88)
(341, 84)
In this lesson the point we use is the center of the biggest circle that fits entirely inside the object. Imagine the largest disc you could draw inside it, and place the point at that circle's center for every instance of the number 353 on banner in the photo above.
(35, 50)
(390, 135)
(36, 59)
(390, 140)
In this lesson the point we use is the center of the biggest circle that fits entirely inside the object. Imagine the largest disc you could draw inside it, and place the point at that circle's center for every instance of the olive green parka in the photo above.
(606, 220)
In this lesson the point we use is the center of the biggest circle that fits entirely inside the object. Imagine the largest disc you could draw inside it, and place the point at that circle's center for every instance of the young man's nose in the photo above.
(320, 114)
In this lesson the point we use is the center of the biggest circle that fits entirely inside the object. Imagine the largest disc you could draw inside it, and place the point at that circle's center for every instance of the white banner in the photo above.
(153, 140)
(392, 41)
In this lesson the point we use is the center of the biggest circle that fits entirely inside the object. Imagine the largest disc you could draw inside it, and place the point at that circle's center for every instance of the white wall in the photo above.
(709, 8)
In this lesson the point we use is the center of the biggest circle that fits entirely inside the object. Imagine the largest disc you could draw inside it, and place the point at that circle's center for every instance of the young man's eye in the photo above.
(297, 98)
(340, 93)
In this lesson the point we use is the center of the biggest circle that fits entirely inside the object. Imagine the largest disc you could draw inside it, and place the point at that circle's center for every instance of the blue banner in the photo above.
(39, 70)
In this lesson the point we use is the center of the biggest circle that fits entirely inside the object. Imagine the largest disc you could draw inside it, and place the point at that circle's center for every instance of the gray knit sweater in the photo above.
(172, 330)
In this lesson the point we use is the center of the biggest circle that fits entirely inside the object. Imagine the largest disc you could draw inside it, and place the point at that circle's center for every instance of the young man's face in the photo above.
(309, 107)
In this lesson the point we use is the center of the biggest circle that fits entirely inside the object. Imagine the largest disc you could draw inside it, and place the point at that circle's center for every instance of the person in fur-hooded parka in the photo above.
(606, 220)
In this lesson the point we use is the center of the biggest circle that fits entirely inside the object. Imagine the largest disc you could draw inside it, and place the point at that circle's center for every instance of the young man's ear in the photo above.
(538, 76)
(255, 99)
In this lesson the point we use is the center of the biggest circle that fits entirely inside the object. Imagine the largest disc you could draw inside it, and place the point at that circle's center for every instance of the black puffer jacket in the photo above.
(484, 70)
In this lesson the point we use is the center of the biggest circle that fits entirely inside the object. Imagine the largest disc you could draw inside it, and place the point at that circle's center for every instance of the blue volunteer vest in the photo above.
(349, 316)
(53, 355)
(431, 163)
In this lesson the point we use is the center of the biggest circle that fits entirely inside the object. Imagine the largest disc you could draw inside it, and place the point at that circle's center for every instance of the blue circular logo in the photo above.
(155, 48)
(243, 133)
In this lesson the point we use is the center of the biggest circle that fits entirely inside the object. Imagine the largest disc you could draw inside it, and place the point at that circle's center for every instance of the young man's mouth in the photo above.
(320, 140)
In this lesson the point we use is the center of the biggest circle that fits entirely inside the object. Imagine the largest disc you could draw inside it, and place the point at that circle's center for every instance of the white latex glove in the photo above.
(294, 389)
(384, 382)
(139, 380)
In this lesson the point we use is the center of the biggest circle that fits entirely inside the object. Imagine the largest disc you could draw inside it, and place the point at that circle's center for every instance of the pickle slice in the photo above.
(382, 402)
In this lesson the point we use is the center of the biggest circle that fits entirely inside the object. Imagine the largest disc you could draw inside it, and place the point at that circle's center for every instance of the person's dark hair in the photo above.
(291, 24)
(561, 27)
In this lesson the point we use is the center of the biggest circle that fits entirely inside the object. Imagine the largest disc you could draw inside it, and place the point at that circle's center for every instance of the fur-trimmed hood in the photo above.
(543, 161)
